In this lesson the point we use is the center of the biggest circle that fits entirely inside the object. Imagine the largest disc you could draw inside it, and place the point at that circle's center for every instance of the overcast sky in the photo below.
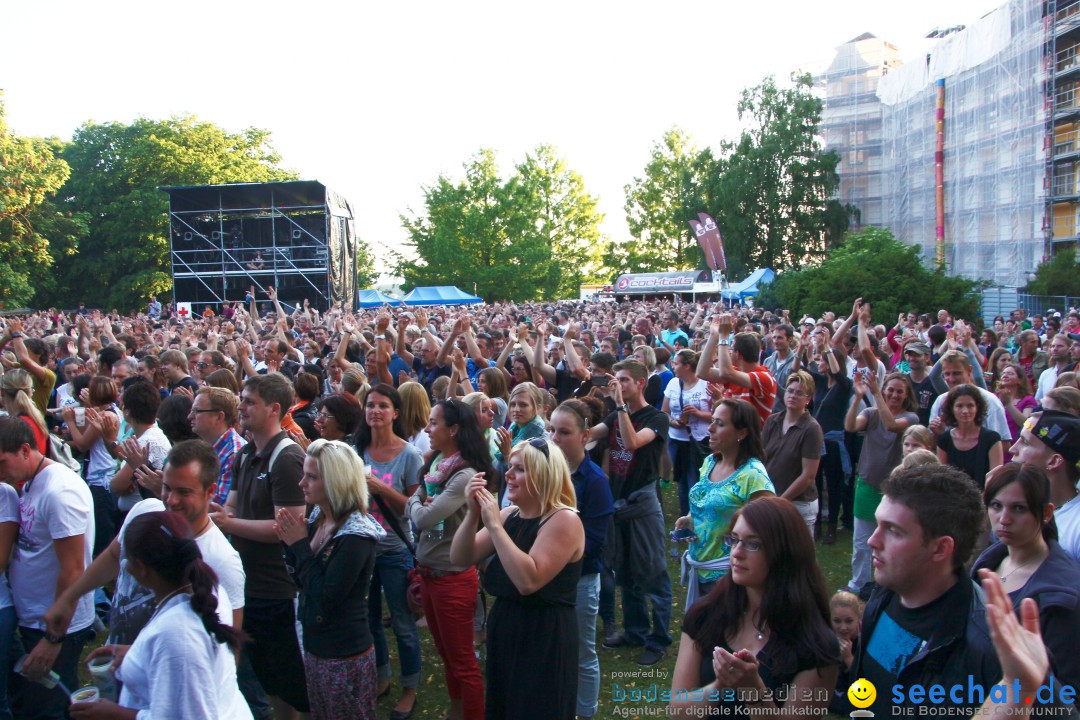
(377, 99)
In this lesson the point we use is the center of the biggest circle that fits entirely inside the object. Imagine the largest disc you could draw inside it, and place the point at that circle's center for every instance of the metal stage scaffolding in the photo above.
(296, 236)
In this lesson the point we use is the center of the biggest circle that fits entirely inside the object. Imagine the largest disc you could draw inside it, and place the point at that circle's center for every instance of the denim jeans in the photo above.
(390, 578)
(39, 702)
(861, 555)
(809, 511)
(588, 686)
(636, 598)
(607, 595)
(7, 635)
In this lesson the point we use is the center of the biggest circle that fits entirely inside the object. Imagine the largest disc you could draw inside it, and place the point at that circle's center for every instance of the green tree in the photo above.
(366, 274)
(874, 265)
(566, 219)
(1057, 276)
(116, 170)
(659, 205)
(32, 229)
(527, 237)
(772, 191)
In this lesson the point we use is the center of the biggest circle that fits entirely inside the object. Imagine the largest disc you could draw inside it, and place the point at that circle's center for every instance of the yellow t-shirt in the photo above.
(43, 390)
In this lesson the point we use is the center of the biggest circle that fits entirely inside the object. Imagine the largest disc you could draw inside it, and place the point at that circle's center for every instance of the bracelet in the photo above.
(724, 341)
(380, 337)
(15, 335)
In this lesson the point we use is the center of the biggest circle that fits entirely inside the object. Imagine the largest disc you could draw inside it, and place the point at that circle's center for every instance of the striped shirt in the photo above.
(226, 447)
(761, 393)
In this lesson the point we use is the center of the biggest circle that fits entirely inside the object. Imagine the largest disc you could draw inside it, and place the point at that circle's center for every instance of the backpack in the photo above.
(59, 451)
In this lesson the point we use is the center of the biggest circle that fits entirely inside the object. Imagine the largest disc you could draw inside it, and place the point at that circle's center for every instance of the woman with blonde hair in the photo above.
(415, 411)
(654, 386)
(1064, 399)
(331, 561)
(355, 383)
(492, 383)
(536, 547)
(526, 420)
(17, 387)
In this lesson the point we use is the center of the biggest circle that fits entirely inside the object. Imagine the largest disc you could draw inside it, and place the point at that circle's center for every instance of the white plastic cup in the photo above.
(86, 694)
(101, 676)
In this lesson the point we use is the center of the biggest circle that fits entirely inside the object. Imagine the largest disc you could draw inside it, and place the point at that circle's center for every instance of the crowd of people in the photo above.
(233, 497)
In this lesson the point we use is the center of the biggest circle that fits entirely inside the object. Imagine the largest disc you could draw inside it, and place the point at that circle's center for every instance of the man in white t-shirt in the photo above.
(956, 370)
(56, 534)
(190, 476)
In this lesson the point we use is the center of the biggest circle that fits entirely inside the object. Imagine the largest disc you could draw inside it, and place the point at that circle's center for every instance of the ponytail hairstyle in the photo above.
(163, 542)
(18, 389)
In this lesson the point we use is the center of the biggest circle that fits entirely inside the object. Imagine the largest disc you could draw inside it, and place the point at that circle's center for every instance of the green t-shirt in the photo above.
(713, 503)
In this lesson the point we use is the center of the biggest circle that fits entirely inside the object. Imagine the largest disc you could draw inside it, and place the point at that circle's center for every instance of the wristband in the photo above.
(54, 639)
(724, 341)
(623, 408)
(16, 335)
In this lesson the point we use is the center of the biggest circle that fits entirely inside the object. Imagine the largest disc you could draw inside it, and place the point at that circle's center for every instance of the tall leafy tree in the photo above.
(659, 204)
(116, 170)
(505, 239)
(773, 191)
(32, 228)
(566, 218)
(1057, 276)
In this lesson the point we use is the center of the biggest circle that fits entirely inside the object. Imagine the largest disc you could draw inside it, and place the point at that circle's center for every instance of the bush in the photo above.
(874, 265)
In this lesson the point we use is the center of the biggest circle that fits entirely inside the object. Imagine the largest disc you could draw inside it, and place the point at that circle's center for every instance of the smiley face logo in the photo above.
(862, 693)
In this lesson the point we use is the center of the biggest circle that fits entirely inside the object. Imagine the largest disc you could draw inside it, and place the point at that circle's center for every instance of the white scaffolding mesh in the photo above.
(995, 138)
(851, 121)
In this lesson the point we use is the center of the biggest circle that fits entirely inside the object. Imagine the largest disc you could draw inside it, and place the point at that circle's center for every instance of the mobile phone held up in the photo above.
(683, 535)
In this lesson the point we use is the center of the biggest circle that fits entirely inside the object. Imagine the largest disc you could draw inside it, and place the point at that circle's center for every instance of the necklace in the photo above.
(161, 603)
(1006, 575)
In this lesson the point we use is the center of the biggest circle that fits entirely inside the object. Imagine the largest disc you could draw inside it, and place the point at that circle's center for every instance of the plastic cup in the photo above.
(101, 676)
(86, 694)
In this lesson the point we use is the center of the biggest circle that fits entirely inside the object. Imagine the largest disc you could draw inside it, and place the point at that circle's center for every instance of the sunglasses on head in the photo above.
(541, 445)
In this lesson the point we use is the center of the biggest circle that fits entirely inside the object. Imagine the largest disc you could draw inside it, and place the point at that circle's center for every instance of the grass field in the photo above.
(432, 700)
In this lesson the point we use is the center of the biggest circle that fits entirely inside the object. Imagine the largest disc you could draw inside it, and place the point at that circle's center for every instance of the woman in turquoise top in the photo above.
(731, 477)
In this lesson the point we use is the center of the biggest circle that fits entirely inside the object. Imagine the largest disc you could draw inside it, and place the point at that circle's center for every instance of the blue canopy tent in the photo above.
(373, 298)
(439, 295)
(750, 286)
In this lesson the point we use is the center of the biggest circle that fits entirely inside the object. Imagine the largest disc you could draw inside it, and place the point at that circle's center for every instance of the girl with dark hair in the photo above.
(966, 444)
(1030, 562)
(172, 418)
(733, 475)
(765, 626)
(393, 475)
(449, 590)
(180, 665)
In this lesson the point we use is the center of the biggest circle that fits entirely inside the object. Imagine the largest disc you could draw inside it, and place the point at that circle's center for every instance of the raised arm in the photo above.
(573, 360)
(540, 364)
(838, 338)
(402, 351)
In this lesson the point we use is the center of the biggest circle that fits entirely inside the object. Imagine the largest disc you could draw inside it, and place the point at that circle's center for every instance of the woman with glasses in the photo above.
(793, 441)
(731, 477)
(536, 546)
(448, 588)
(393, 475)
(338, 417)
(761, 640)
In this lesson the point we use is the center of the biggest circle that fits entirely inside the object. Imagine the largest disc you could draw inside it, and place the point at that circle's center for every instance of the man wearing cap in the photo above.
(917, 355)
(1051, 440)
(1059, 362)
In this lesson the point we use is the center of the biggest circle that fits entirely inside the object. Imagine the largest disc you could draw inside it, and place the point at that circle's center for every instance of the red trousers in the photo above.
(449, 606)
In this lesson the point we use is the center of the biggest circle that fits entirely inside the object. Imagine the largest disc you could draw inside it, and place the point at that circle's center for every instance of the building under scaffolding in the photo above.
(1011, 112)
(294, 236)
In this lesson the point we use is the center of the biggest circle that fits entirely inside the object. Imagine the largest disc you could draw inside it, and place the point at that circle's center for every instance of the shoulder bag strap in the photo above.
(392, 521)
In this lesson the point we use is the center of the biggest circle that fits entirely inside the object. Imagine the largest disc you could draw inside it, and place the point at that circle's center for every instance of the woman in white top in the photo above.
(687, 403)
(182, 664)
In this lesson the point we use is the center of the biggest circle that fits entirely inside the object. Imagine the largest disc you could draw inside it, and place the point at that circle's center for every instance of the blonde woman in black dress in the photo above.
(537, 543)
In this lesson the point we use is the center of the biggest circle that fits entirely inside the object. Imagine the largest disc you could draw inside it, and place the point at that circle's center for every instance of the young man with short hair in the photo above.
(174, 365)
(1059, 362)
(266, 479)
(213, 417)
(925, 623)
(56, 535)
(782, 361)
(737, 366)
(636, 433)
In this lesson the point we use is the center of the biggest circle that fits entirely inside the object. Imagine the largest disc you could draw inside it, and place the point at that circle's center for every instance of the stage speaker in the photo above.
(215, 236)
(187, 237)
(296, 234)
